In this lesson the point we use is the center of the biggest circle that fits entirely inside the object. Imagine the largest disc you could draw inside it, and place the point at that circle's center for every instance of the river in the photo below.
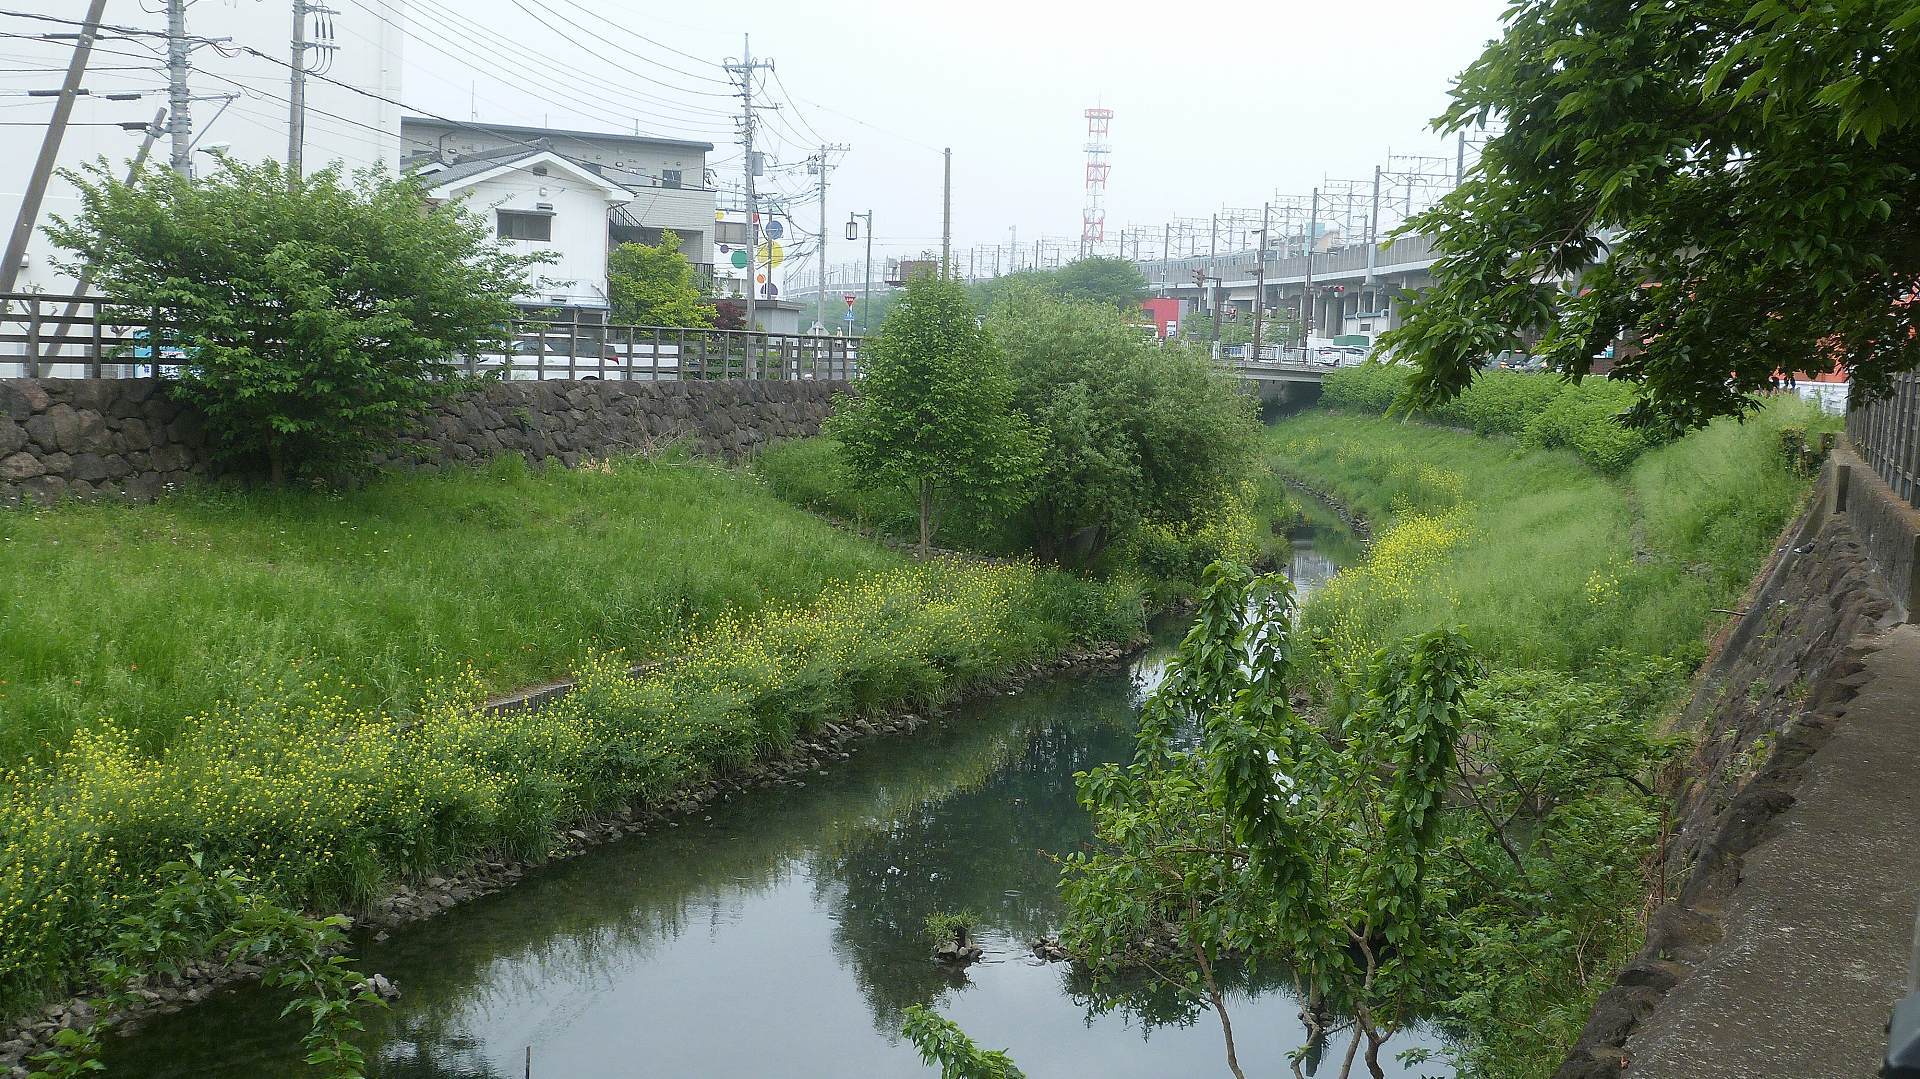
(779, 934)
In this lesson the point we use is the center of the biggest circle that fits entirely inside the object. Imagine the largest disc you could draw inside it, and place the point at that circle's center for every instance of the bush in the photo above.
(315, 313)
(1586, 420)
(1544, 411)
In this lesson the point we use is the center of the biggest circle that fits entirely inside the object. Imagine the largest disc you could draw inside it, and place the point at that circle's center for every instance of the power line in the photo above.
(533, 85)
(583, 9)
(583, 48)
(483, 38)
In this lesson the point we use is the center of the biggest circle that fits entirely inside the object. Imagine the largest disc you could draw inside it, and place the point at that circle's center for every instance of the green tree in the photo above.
(935, 409)
(1134, 431)
(1242, 831)
(1102, 279)
(652, 285)
(1747, 169)
(317, 315)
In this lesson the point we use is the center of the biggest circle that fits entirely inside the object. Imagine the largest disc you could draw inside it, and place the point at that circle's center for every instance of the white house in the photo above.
(668, 177)
(540, 201)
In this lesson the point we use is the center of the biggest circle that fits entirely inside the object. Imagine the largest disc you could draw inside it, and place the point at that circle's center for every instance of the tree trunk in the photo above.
(926, 515)
(276, 464)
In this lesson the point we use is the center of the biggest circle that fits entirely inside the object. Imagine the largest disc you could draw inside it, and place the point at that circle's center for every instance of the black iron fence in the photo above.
(92, 337)
(1886, 434)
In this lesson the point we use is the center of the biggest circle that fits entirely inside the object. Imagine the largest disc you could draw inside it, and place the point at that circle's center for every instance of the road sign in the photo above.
(775, 229)
(849, 315)
(849, 297)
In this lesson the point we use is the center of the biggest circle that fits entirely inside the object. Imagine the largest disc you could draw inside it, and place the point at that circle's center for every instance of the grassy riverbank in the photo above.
(1590, 596)
(149, 614)
(337, 739)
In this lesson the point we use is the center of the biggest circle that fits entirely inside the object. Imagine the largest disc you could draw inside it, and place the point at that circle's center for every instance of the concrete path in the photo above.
(1819, 931)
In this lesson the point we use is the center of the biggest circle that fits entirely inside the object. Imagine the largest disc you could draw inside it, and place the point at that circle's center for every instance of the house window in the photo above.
(521, 225)
(669, 177)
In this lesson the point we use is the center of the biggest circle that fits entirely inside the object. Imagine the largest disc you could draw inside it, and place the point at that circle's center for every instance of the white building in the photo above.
(239, 101)
(540, 201)
(667, 177)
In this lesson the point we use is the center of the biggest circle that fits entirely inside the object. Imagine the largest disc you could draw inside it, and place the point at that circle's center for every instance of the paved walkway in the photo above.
(1819, 931)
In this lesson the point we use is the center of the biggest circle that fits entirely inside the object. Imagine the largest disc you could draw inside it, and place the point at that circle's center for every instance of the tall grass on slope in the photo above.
(321, 800)
(146, 615)
(1544, 561)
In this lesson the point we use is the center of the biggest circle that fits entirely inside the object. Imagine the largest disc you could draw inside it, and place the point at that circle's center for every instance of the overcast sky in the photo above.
(1214, 104)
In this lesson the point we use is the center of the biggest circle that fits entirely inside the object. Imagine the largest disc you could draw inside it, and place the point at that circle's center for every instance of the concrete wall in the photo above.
(1887, 526)
(123, 438)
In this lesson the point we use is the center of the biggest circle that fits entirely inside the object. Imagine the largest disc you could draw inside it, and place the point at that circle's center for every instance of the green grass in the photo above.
(1548, 563)
(146, 615)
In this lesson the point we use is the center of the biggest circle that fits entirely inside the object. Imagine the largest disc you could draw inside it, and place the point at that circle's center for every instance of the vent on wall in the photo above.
(543, 205)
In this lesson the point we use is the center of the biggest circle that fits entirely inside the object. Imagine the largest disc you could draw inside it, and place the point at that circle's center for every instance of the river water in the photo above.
(779, 934)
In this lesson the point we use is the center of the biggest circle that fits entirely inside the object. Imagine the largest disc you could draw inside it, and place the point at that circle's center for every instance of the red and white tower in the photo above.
(1093, 219)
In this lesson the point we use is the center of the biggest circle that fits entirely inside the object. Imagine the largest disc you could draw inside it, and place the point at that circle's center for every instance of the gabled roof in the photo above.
(447, 181)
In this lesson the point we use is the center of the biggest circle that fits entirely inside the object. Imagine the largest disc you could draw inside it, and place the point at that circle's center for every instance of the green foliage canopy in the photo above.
(652, 285)
(1747, 170)
(315, 314)
(935, 410)
(1134, 431)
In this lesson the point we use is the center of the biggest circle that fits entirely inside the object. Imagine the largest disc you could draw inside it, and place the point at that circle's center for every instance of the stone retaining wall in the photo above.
(1781, 677)
(124, 438)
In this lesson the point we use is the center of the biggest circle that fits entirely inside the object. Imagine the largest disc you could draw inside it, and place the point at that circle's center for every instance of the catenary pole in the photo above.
(1260, 280)
(50, 148)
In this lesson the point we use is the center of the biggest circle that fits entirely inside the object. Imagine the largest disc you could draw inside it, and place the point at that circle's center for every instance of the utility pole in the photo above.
(179, 121)
(1306, 301)
(50, 148)
(820, 165)
(946, 214)
(1260, 281)
(1460, 158)
(1013, 249)
(745, 69)
(297, 94)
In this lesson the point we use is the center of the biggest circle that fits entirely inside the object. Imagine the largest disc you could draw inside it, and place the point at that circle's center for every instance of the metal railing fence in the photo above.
(1886, 434)
(93, 337)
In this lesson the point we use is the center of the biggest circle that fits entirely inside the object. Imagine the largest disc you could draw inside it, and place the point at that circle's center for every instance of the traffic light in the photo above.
(1200, 277)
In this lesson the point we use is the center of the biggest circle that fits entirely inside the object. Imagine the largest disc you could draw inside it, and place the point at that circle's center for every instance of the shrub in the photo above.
(1544, 411)
(315, 312)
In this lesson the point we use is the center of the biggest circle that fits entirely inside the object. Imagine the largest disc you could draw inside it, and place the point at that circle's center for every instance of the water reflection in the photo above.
(782, 936)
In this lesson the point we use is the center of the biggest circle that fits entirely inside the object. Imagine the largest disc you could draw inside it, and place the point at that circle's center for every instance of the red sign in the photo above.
(849, 297)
